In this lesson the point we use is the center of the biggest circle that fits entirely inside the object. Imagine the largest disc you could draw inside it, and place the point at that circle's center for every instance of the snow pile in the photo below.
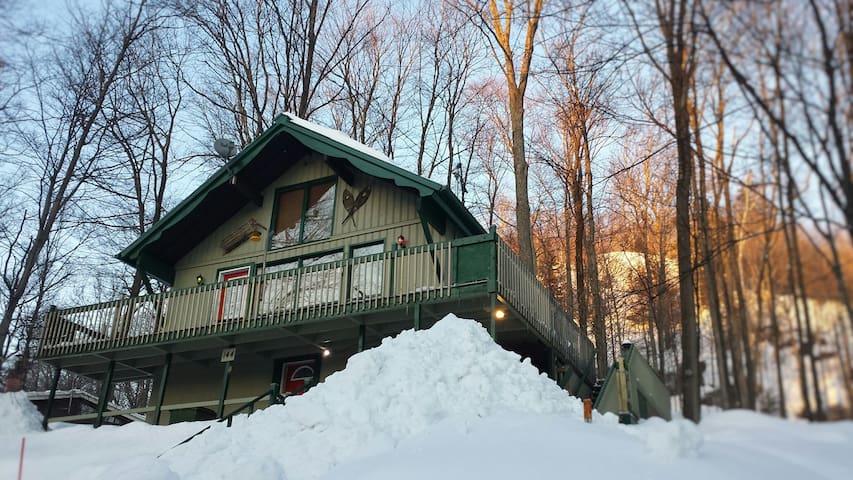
(444, 403)
(664, 440)
(19, 416)
(453, 372)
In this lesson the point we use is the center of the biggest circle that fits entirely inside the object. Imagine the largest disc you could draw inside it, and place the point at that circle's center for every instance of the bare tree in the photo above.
(261, 58)
(497, 24)
(581, 112)
(815, 85)
(675, 20)
(61, 145)
(142, 113)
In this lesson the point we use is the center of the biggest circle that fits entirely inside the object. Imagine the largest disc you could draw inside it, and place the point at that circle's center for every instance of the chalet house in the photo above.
(305, 248)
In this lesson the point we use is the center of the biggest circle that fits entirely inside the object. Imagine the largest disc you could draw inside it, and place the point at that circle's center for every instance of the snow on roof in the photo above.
(385, 395)
(337, 136)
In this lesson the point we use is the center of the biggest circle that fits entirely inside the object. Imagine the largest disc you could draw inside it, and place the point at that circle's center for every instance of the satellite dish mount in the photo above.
(225, 148)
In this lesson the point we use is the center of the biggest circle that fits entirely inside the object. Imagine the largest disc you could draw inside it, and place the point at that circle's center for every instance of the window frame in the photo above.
(223, 291)
(299, 260)
(351, 255)
(305, 187)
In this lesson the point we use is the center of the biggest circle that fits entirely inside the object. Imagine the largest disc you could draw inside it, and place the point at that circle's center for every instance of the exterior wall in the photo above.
(250, 376)
(389, 212)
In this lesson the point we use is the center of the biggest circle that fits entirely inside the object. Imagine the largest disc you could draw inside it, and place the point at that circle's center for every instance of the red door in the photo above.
(232, 298)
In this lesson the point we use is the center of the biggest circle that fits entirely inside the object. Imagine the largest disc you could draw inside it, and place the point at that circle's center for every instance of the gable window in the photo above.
(303, 214)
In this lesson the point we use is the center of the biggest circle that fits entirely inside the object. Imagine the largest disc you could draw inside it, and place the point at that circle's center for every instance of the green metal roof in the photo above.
(257, 165)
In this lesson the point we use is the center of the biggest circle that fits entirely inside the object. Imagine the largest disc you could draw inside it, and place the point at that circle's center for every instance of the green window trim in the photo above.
(299, 259)
(361, 275)
(305, 188)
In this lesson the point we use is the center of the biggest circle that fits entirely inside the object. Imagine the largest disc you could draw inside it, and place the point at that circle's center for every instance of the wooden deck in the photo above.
(479, 267)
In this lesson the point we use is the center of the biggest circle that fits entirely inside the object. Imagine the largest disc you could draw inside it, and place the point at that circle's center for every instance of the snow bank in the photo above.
(443, 403)
(453, 372)
(19, 416)
(664, 440)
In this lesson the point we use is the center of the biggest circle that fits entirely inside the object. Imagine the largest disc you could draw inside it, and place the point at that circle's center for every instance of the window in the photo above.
(318, 283)
(279, 289)
(367, 270)
(321, 280)
(303, 214)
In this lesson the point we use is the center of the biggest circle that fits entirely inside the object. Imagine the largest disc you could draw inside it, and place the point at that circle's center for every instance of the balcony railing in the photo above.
(345, 287)
(417, 274)
(519, 286)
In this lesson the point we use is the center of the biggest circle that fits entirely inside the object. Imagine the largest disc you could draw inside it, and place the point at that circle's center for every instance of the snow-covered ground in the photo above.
(441, 403)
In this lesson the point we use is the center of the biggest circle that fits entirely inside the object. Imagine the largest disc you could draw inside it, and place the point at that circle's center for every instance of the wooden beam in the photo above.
(226, 378)
(342, 168)
(247, 190)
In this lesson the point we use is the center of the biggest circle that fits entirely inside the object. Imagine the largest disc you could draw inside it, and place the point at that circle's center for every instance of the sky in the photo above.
(446, 402)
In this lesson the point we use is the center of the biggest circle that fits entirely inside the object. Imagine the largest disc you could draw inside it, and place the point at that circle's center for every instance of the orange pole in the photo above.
(587, 410)
(21, 461)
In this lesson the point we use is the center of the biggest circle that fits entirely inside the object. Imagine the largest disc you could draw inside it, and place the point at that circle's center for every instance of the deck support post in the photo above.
(362, 332)
(492, 282)
(161, 392)
(51, 396)
(106, 389)
(553, 364)
(225, 379)
(417, 325)
(493, 328)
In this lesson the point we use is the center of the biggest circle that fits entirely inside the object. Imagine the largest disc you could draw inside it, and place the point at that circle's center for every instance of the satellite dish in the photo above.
(225, 148)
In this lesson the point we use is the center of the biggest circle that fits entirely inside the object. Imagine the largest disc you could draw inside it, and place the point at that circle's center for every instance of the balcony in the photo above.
(469, 273)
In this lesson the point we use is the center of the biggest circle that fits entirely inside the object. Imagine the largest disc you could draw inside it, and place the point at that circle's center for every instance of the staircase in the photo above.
(632, 389)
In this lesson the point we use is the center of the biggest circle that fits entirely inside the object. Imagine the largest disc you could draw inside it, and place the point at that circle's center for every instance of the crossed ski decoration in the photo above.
(352, 204)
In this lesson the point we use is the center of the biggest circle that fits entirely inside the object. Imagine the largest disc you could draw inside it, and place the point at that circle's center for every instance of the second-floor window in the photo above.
(303, 214)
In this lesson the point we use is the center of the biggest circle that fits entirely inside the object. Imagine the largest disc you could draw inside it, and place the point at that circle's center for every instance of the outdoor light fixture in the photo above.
(326, 352)
(199, 280)
(255, 234)
(500, 313)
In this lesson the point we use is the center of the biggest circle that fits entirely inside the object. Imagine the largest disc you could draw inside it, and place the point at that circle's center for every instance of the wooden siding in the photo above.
(390, 211)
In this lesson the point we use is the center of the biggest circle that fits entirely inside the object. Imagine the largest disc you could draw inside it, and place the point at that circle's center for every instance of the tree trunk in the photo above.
(598, 326)
(740, 318)
(842, 351)
(674, 25)
(516, 87)
(709, 267)
(774, 326)
(567, 255)
(580, 228)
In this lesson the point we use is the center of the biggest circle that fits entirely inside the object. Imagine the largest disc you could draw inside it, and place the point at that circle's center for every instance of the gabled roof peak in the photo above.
(259, 163)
